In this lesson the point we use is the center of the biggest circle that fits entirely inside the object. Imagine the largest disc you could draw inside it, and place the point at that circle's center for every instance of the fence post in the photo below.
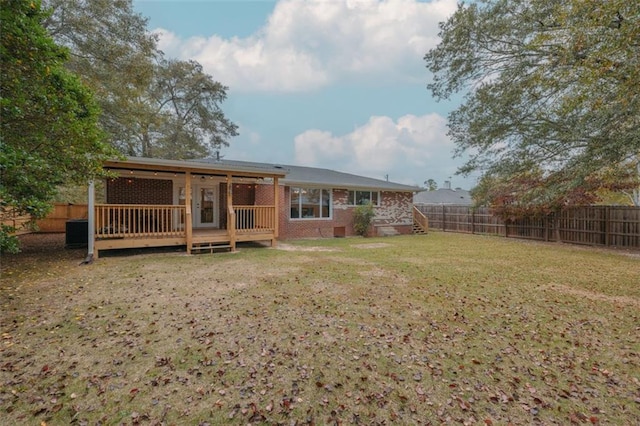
(473, 221)
(556, 226)
(443, 219)
(607, 226)
(546, 227)
(506, 228)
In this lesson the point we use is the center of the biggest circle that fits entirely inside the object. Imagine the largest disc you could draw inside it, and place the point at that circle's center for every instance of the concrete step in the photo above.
(387, 231)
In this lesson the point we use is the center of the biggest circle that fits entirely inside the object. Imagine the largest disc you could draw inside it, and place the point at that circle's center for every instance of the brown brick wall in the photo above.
(264, 194)
(125, 190)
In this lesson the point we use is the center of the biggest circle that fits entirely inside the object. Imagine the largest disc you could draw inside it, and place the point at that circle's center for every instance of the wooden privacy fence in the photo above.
(61, 213)
(609, 226)
(20, 223)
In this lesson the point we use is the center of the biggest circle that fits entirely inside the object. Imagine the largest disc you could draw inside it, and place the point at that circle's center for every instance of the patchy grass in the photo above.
(442, 328)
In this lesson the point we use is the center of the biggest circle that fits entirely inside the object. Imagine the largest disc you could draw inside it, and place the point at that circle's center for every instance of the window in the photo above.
(310, 203)
(359, 198)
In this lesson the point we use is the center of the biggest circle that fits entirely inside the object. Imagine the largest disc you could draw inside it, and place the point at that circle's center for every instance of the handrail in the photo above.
(420, 219)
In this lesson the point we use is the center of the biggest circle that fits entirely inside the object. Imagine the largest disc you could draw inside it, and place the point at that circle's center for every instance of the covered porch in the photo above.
(202, 205)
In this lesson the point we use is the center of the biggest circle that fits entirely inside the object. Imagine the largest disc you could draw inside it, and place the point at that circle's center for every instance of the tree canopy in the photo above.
(431, 184)
(151, 106)
(50, 133)
(552, 96)
(184, 118)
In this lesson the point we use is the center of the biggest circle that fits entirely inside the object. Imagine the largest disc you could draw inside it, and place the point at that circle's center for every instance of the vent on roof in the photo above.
(277, 167)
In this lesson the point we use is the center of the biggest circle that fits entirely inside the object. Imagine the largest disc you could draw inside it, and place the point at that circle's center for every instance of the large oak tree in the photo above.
(552, 96)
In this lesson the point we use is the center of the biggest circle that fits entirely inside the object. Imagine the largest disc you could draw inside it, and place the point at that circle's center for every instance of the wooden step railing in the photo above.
(420, 219)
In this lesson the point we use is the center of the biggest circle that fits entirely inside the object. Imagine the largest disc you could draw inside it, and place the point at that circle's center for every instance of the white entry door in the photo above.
(204, 205)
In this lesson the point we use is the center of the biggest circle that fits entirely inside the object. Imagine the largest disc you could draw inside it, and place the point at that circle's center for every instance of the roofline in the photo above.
(183, 166)
(404, 188)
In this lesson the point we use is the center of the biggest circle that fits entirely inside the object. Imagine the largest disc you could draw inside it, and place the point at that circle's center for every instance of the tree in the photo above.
(551, 87)
(431, 184)
(114, 54)
(633, 191)
(628, 179)
(185, 120)
(50, 132)
(151, 106)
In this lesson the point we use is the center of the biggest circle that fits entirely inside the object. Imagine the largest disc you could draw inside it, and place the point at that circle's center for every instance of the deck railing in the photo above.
(255, 218)
(139, 220)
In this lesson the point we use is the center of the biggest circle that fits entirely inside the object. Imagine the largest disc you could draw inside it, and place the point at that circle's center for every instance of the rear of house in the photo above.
(320, 203)
(212, 203)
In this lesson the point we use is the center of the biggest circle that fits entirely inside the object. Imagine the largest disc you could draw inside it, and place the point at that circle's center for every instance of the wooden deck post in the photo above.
(276, 206)
(231, 221)
(91, 225)
(188, 222)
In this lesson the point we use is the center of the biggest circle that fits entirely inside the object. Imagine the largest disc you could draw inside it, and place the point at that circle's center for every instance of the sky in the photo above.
(337, 84)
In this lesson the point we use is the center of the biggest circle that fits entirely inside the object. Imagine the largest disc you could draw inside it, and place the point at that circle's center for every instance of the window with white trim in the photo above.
(310, 203)
(360, 198)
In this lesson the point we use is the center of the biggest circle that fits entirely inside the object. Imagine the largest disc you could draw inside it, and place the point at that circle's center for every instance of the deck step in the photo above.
(199, 248)
(417, 229)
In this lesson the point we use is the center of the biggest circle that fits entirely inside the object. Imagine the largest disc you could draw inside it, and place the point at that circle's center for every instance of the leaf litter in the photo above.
(410, 334)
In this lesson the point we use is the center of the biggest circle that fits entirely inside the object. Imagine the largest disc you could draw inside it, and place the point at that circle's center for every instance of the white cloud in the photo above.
(305, 45)
(409, 150)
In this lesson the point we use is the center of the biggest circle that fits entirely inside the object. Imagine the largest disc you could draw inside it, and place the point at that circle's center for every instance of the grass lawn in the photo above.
(442, 328)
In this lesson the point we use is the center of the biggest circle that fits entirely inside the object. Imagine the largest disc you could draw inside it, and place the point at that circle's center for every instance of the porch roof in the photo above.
(250, 170)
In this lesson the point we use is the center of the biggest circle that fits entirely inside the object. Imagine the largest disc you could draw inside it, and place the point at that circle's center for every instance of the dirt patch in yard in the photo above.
(621, 300)
(289, 247)
(370, 245)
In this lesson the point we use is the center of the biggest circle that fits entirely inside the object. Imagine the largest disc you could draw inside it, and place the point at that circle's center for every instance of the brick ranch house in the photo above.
(210, 204)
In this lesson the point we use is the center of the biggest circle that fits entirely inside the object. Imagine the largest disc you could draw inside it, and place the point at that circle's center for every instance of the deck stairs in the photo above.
(209, 247)
(420, 222)
(418, 229)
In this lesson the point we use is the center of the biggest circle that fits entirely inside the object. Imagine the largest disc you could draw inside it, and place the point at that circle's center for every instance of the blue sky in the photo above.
(323, 83)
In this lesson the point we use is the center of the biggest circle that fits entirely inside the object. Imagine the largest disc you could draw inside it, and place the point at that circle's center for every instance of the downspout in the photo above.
(91, 206)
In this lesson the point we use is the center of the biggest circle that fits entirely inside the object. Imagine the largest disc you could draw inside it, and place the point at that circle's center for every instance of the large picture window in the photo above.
(360, 198)
(310, 203)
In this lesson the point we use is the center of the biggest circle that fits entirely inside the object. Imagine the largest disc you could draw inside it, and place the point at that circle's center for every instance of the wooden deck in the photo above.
(138, 226)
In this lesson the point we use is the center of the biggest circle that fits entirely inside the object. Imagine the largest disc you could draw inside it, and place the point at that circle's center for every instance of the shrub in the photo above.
(362, 218)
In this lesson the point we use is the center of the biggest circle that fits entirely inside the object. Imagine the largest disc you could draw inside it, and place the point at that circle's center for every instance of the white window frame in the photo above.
(329, 190)
(352, 199)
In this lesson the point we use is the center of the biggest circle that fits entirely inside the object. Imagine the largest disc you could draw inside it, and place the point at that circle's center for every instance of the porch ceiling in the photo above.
(179, 166)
